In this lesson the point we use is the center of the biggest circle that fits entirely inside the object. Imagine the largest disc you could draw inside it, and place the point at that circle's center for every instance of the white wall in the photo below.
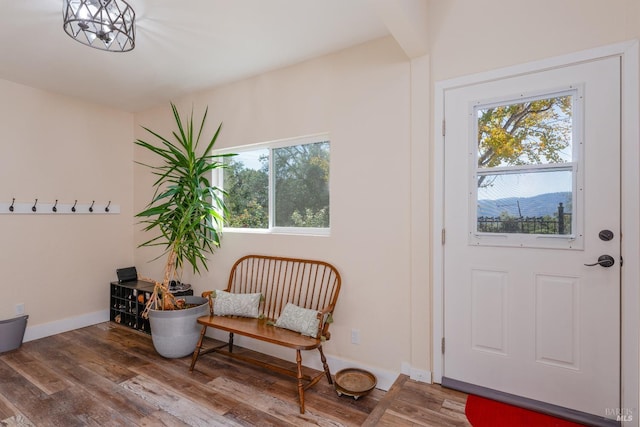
(370, 100)
(55, 147)
(361, 97)
(473, 36)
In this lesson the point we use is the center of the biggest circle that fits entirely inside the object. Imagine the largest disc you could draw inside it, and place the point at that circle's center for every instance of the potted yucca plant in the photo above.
(186, 213)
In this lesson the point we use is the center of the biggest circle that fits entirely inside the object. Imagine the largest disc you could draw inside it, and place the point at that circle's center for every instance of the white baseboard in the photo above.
(64, 325)
(416, 374)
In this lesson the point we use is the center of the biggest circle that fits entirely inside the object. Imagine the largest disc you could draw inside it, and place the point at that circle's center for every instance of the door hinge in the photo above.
(443, 236)
(444, 128)
(442, 345)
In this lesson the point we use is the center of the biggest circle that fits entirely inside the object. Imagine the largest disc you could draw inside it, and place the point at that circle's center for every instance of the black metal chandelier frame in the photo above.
(102, 24)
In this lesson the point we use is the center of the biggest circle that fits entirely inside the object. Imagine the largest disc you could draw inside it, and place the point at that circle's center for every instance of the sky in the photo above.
(526, 184)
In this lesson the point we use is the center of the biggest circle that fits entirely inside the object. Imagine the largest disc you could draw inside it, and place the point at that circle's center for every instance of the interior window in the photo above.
(279, 186)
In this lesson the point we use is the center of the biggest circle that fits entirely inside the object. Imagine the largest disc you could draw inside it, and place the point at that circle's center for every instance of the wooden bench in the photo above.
(305, 283)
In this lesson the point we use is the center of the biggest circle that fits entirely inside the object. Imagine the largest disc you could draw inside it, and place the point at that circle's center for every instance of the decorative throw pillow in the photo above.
(299, 319)
(228, 304)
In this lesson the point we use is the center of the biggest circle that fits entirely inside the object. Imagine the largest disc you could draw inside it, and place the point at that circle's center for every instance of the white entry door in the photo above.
(532, 195)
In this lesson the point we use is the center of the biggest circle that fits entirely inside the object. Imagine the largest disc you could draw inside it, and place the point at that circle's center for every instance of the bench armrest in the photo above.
(325, 317)
(210, 295)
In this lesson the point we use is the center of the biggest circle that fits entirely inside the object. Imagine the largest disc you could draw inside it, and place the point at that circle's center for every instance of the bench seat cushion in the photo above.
(261, 329)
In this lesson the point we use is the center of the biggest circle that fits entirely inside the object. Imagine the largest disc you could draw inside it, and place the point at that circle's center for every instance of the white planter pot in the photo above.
(175, 333)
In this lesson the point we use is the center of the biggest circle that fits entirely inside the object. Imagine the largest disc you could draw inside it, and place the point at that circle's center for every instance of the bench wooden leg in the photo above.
(325, 365)
(300, 379)
(230, 342)
(196, 352)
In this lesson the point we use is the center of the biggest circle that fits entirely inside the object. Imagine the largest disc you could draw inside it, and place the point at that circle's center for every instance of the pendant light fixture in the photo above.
(103, 24)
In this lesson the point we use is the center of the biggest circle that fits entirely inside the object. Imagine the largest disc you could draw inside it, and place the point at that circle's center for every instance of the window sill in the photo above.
(312, 232)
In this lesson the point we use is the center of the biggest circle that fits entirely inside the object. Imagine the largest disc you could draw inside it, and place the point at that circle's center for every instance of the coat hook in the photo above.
(54, 208)
(106, 209)
(33, 208)
(12, 203)
(91, 207)
(73, 208)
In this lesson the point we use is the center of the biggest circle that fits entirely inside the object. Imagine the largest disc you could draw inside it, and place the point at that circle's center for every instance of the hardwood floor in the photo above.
(411, 403)
(108, 375)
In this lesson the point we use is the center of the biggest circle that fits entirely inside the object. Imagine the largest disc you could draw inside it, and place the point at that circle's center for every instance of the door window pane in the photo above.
(531, 203)
(526, 133)
(525, 166)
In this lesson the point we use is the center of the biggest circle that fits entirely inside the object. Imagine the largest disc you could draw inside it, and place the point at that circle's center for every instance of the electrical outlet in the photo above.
(20, 309)
(355, 336)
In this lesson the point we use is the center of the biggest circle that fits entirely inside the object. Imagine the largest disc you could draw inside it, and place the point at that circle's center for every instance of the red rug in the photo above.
(483, 412)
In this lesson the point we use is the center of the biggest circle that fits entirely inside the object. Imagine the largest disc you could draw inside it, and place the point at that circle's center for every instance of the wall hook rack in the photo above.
(38, 207)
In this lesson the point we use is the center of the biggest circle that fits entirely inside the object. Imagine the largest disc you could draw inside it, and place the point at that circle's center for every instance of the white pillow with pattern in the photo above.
(299, 319)
(243, 305)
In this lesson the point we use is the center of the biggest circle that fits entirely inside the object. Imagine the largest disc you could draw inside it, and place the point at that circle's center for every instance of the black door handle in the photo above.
(603, 261)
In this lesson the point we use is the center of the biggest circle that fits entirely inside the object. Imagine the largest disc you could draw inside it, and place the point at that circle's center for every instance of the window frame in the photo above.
(218, 178)
(569, 241)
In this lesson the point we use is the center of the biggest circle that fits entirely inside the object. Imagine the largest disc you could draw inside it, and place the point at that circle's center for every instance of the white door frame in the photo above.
(630, 209)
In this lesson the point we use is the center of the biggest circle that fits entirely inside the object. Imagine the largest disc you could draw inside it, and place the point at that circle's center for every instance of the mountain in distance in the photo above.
(536, 206)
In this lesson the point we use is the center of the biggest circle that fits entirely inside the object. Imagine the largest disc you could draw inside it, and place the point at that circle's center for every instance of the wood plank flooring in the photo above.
(108, 375)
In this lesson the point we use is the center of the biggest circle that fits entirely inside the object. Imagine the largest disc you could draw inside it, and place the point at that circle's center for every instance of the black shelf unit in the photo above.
(127, 303)
(128, 300)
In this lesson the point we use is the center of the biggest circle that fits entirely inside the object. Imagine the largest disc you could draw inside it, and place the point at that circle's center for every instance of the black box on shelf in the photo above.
(182, 293)
(127, 274)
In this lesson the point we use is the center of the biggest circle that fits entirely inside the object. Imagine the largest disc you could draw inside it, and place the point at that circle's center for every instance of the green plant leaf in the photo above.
(186, 212)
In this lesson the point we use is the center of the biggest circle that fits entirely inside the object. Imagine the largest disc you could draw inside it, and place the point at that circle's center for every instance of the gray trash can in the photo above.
(12, 332)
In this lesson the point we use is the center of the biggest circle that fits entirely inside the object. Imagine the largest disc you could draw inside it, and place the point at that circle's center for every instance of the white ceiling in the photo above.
(181, 45)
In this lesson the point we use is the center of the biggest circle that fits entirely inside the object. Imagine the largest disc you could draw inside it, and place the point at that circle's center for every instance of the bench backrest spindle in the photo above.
(306, 283)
